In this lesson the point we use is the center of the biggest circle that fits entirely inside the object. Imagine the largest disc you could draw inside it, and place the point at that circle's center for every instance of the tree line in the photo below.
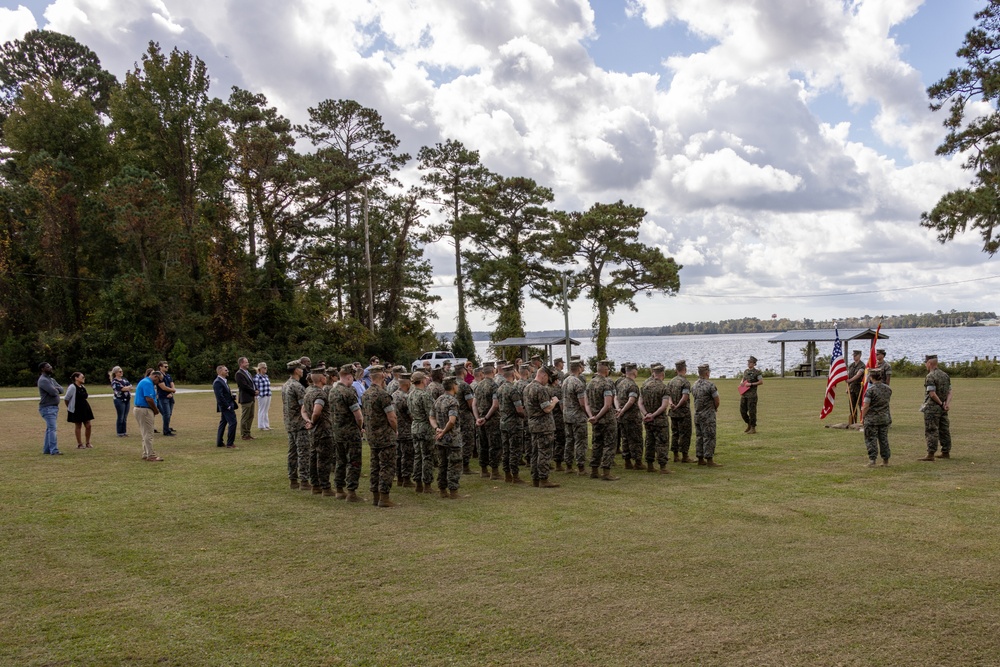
(145, 219)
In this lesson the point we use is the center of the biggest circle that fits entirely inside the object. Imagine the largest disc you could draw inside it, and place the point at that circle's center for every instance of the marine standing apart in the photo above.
(937, 428)
(656, 403)
(380, 428)
(575, 415)
(449, 440)
(292, 393)
(538, 404)
(600, 397)
(706, 404)
(752, 378)
(875, 417)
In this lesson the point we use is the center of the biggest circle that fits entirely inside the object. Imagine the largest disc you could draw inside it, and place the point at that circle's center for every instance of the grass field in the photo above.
(793, 553)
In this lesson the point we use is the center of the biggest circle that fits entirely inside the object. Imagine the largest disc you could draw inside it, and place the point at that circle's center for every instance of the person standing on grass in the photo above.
(511, 432)
(575, 415)
(656, 402)
(165, 397)
(78, 410)
(247, 394)
(883, 366)
(706, 404)
(600, 399)
(467, 416)
(262, 384)
(679, 389)
(448, 440)
(937, 403)
(404, 433)
(855, 376)
(488, 407)
(538, 406)
(145, 410)
(629, 415)
(424, 428)
(348, 423)
(292, 395)
(49, 392)
(122, 390)
(752, 378)
(225, 406)
(380, 427)
(875, 417)
(316, 416)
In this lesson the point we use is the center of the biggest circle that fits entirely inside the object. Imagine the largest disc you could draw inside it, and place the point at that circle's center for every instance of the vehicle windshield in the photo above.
(446, 355)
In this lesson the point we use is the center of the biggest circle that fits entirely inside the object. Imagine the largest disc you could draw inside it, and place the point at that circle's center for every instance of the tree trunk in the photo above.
(603, 313)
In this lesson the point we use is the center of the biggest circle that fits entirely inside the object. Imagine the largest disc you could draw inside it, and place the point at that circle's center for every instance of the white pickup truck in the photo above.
(437, 359)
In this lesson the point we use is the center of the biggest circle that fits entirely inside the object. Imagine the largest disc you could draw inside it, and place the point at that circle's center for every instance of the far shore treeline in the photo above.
(146, 219)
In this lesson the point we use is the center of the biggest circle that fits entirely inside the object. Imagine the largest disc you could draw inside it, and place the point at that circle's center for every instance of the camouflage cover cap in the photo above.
(880, 351)
(657, 367)
(535, 357)
(559, 360)
(292, 365)
(575, 357)
(347, 369)
(403, 376)
(509, 368)
(399, 369)
(875, 373)
(752, 359)
(605, 362)
(525, 367)
(318, 369)
(575, 364)
(930, 357)
(703, 367)
(857, 353)
(489, 364)
(376, 369)
(680, 364)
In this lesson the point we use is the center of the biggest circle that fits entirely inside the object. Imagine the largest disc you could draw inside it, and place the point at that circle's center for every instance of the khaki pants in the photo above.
(144, 417)
(246, 418)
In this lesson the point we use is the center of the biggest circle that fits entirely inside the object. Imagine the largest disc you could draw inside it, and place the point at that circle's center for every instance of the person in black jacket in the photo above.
(225, 406)
(247, 395)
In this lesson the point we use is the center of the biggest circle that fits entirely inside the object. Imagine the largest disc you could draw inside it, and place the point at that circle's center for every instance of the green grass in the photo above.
(791, 554)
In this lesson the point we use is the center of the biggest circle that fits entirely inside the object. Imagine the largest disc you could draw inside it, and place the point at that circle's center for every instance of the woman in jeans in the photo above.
(122, 399)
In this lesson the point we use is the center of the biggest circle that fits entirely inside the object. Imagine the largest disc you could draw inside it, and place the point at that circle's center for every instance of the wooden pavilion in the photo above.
(547, 343)
(821, 336)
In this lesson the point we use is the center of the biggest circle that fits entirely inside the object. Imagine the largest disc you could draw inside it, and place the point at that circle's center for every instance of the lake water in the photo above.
(727, 353)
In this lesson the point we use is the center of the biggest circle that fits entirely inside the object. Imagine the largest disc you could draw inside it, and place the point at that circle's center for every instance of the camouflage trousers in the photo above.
(937, 429)
(559, 445)
(748, 409)
(423, 458)
(449, 467)
(657, 442)
(631, 436)
(576, 443)
(877, 440)
(704, 427)
(469, 436)
(490, 447)
(540, 454)
(382, 469)
(854, 391)
(512, 448)
(404, 458)
(348, 471)
(313, 475)
(298, 455)
(323, 447)
(603, 447)
(680, 434)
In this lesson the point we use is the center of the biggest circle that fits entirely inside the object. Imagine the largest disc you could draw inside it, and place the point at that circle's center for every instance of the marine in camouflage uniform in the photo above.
(600, 397)
(875, 417)
(656, 402)
(423, 430)
(525, 374)
(380, 427)
(449, 440)
(393, 385)
(347, 425)
(488, 423)
(511, 431)
(706, 403)
(316, 413)
(575, 418)
(467, 421)
(435, 387)
(855, 377)
(629, 417)
(883, 366)
(748, 401)
(404, 434)
(538, 406)
(937, 402)
(292, 394)
(679, 390)
(559, 446)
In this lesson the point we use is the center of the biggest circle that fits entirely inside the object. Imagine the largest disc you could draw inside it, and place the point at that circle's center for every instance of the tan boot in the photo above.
(628, 464)
(407, 483)
(753, 430)
(871, 463)
(420, 486)
(428, 488)
(293, 484)
(686, 459)
(305, 486)
(353, 497)
(328, 492)
(929, 458)
(399, 479)
(944, 455)
(443, 493)
(508, 478)
(466, 470)
(607, 476)
(885, 463)
(496, 474)
(712, 464)
(317, 491)
(546, 484)
(581, 471)
(485, 474)
(570, 470)
(453, 494)
(701, 461)
(649, 467)
(593, 473)
(747, 429)
(663, 469)
(341, 494)
(559, 466)
(375, 498)
(677, 457)
(516, 479)
(534, 483)
(383, 501)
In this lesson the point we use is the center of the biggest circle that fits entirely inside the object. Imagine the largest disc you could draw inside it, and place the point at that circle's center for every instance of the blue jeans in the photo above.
(122, 408)
(50, 413)
(166, 409)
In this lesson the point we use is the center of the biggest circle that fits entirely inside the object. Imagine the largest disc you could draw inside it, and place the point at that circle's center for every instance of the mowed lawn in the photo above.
(793, 553)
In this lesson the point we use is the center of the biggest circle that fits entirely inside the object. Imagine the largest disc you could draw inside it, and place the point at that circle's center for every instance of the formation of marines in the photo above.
(534, 417)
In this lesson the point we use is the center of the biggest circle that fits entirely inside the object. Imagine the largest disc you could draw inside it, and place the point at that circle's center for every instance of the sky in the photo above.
(783, 149)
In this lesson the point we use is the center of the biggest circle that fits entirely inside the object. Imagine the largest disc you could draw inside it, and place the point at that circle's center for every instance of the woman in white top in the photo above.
(262, 384)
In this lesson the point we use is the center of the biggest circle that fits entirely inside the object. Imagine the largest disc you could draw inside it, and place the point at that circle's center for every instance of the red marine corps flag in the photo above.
(838, 373)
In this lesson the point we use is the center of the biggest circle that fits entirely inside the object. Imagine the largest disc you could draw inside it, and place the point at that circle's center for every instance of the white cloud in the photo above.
(15, 22)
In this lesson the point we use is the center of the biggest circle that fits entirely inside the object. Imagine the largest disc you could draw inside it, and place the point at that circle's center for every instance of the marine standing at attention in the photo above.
(511, 431)
(348, 422)
(600, 397)
(875, 417)
(292, 393)
(538, 405)
(404, 433)
(575, 415)
(315, 414)
(855, 376)
(937, 403)
(656, 402)
(883, 366)
(380, 427)
(423, 429)
(466, 418)
(706, 404)
(629, 417)
(752, 378)
(679, 390)
(448, 437)
(489, 423)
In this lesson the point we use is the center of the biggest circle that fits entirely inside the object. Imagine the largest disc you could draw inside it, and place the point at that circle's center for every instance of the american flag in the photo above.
(838, 373)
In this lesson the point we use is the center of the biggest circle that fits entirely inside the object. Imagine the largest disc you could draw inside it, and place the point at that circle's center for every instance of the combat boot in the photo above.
(341, 495)
(375, 498)
(546, 484)
(701, 461)
(559, 466)
(407, 484)
(686, 459)
(399, 479)
(677, 457)
(885, 463)
(508, 478)
(712, 464)
(649, 467)
(753, 430)
(420, 486)
(453, 494)
(496, 474)
(871, 463)
(429, 487)
(593, 473)
(305, 486)
(328, 492)
(628, 464)
(747, 429)
(663, 469)
(581, 471)
(466, 470)
(534, 483)
(443, 493)
(485, 474)
(607, 476)
(570, 470)
(929, 457)
(316, 490)
(353, 497)
(384, 501)
(293, 484)
(516, 479)
(944, 455)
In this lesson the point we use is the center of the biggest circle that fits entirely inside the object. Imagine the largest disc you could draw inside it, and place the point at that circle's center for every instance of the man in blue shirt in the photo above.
(145, 410)
(165, 396)
(48, 407)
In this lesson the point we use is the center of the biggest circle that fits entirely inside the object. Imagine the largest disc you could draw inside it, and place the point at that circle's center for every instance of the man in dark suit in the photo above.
(225, 406)
(247, 394)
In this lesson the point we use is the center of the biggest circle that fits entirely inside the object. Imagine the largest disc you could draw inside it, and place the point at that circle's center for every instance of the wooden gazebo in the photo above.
(547, 343)
(822, 336)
